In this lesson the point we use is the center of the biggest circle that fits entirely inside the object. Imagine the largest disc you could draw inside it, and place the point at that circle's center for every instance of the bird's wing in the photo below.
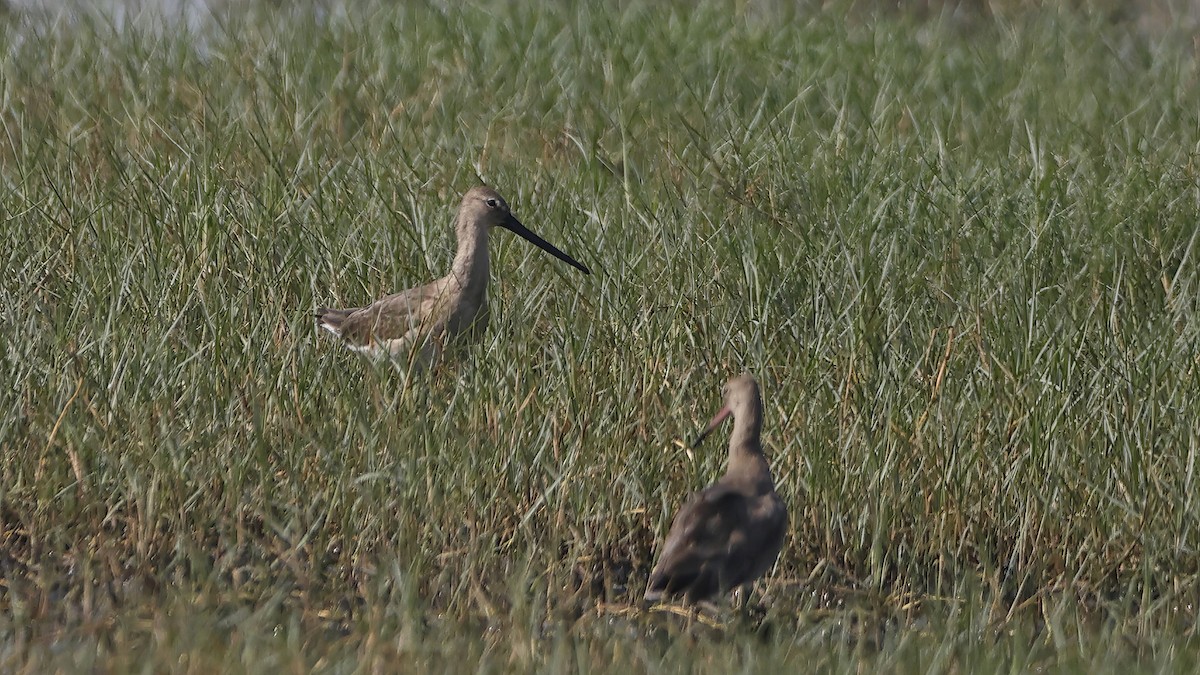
(390, 318)
(708, 543)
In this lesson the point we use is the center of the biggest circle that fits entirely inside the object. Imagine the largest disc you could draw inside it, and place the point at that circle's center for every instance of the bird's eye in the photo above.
(492, 203)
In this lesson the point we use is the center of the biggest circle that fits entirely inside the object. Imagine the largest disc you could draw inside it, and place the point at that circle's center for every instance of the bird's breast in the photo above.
(470, 320)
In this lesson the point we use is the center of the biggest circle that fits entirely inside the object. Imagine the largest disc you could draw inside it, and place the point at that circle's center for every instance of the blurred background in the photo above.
(1148, 15)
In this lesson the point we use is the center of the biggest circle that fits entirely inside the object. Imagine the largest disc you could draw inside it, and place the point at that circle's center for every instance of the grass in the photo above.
(962, 259)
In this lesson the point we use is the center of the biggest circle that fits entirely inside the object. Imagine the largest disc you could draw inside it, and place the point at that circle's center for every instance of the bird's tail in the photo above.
(331, 319)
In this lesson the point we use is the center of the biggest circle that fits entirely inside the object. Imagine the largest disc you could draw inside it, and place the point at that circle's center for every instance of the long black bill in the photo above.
(515, 225)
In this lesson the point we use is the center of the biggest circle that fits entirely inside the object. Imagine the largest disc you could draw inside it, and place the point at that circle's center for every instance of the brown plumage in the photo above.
(417, 323)
(730, 533)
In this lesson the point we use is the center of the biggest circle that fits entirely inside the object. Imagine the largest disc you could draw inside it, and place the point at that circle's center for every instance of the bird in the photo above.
(729, 534)
(417, 324)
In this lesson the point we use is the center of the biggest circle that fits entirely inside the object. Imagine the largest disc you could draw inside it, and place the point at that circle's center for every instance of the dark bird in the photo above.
(730, 533)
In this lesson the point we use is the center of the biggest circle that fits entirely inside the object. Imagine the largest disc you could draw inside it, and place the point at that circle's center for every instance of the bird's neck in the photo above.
(747, 427)
(746, 460)
(470, 268)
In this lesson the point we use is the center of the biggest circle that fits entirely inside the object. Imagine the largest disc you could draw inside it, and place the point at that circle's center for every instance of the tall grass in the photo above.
(962, 259)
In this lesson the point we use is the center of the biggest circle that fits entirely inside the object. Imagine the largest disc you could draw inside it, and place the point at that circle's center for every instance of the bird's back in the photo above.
(722, 538)
(436, 312)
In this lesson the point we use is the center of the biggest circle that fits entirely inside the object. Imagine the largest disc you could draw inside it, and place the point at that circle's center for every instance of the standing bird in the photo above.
(418, 323)
(730, 533)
